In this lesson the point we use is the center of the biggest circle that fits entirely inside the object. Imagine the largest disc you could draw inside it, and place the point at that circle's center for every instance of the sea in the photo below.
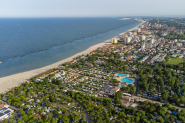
(31, 43)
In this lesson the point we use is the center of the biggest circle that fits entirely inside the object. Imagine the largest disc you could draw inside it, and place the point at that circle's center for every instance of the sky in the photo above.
(90, 8)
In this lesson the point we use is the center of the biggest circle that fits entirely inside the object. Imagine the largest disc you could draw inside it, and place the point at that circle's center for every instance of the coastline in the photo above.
(9, 82)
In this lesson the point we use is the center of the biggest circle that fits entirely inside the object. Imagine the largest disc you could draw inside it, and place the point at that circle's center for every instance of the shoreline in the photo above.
(11, 81)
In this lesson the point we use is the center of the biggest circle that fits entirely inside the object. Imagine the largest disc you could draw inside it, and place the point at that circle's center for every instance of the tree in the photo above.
(152, 109)
(165, 95)
(134, 89)
(84, 117)
(36, 110)
(160, 119)
(119, 94)
(163, 110)
(11, 120)
(182, 98)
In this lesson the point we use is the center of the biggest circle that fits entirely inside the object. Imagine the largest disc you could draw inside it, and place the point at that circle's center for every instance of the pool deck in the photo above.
(121, 77)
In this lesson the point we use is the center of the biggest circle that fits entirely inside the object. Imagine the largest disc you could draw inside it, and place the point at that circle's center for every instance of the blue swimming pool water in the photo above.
(122, 75)
(136, 57)
(127, 80)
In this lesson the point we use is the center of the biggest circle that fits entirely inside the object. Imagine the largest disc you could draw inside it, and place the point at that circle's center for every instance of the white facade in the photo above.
(175, 40)
(149, 45)
(143, 46)
(152, 41)
(164, 34)
(174, 56)
(179, 44)
(182, 40)
(3, 116)
(128, 39)
(114, 41)
(137, 30)
(142, 38)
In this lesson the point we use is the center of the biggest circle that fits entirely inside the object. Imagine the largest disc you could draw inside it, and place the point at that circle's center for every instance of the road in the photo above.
(14, 108)
(144, 99)
(103, 89)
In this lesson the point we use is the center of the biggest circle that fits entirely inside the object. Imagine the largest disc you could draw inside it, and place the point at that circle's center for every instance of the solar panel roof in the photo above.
(1, 114)
(7, 112)
(2, 109)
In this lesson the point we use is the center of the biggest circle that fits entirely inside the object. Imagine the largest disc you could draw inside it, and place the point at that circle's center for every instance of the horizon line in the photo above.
(173, 16)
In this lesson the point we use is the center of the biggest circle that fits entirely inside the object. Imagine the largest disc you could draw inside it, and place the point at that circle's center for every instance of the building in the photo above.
(108, 89)
(124, 36)
(137, 30)
(3, 104)
(175, 40)
(158, 25)
(128, 39)
(114, 41)
(179, 44)
(5, 112)
(143, 46)
(152, 41)
(129, 33)
(135, 33)
(181, 56)
(159, 57)
(111, 90)
(114, 90)
(127, 98)
(174, 56)
(149, 45)
(142, 38)
(143, 59)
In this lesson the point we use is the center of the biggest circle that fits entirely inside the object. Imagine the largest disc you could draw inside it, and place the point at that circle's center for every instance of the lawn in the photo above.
(175, 61)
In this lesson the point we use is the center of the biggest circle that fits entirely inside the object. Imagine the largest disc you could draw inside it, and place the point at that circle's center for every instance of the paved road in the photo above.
(103, 89)
(144, 99)
(14, 108)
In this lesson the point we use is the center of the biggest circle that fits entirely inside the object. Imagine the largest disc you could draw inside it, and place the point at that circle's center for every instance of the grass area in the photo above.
(175, 61)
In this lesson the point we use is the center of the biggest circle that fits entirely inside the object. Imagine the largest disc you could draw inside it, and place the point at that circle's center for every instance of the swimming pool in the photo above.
(136, 57)
(122, 75)
(127, 80)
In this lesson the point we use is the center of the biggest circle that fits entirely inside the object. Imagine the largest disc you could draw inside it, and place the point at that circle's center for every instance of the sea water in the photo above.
(31, 43)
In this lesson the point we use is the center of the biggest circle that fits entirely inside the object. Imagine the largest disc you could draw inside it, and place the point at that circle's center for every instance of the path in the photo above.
(144, 99)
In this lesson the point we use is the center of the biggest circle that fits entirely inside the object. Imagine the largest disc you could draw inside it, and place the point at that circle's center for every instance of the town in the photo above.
(137, 76)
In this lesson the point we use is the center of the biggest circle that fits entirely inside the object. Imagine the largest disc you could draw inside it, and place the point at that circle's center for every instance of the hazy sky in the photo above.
(81, 8)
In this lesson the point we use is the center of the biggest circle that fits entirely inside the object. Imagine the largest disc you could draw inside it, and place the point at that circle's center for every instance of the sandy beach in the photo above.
(8, 82)
(133, 27)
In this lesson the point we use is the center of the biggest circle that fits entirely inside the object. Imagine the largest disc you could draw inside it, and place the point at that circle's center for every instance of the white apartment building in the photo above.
(114, 41)
(142, 38)
(128, 39)
(152, 41)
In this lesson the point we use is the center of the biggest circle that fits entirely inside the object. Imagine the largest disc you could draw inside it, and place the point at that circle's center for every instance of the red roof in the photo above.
(37, 115)
(122, 59)
(129, 57)
(2, 104)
